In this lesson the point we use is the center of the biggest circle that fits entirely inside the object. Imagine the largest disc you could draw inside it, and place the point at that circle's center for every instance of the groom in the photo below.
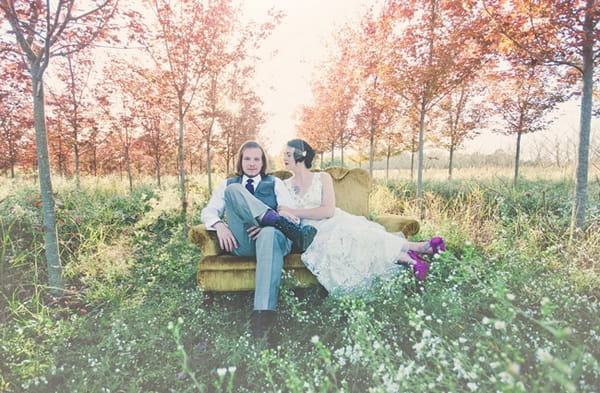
(249, 202)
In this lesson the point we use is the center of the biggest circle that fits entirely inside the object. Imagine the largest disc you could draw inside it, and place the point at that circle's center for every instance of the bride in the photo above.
(348, 252)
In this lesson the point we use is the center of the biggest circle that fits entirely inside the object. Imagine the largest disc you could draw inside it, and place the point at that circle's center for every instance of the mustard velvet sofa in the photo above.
(221, 272)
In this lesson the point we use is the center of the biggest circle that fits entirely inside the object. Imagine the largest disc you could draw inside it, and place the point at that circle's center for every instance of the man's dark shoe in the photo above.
(263, 322)
(301, 236)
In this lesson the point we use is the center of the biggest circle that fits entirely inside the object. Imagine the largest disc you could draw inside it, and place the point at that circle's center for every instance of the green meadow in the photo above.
(512, 306)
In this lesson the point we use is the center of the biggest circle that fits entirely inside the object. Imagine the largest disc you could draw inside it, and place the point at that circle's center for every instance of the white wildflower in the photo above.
(506, 377)
(544, 356)
(514, 368)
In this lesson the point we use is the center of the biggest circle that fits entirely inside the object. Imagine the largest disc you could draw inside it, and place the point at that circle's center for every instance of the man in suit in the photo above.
(253, 227)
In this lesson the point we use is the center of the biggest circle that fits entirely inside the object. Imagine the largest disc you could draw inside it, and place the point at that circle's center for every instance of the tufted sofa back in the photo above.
(351, 188)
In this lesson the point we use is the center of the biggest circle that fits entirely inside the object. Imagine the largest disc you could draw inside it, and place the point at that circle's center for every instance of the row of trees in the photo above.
(442, 70)
(187, 67)
(167, 87)
(153, 87)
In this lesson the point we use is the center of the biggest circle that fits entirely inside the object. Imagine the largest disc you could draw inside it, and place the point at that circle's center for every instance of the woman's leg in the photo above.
(431, 246)
(418, 264)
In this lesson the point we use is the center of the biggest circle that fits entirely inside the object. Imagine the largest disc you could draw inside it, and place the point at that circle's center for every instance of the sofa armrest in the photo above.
(205, 239)
(394, 223)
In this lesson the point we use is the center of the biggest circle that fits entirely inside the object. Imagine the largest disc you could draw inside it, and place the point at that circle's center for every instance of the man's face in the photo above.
(252, 161)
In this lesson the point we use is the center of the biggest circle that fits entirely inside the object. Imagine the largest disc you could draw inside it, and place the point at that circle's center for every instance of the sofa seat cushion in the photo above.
(232, 273)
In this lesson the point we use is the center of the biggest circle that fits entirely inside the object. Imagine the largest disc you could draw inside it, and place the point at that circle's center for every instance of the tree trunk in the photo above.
(76, 151)
(517, 159)
(181, 161)
(371, 150)
(580, 200)
(51, 246)
(208, 164)
(342, 149)
(387, 164)
(208, 159)
(128, 166)
(412, 163)
(332, 152)
(451, 162)
(420, 156)
(158, 171)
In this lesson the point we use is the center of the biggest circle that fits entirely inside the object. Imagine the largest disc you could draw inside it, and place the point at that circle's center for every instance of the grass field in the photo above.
(511, 307)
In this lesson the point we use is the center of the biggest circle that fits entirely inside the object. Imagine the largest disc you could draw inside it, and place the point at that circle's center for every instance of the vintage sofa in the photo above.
(218, 271)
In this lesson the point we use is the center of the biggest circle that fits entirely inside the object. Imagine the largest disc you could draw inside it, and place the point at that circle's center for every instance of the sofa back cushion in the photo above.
(351, 186)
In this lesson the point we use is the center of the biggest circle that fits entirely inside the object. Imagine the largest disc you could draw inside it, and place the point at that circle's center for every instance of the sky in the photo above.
(291, 54)
(299, 44)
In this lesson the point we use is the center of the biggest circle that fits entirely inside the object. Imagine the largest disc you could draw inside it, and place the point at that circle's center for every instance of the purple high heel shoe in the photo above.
(437, 244)
(420, 267)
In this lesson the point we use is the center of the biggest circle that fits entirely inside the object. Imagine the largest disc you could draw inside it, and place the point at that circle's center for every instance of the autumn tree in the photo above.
(153, 115)
(191, 38)
(313, 131)
(205, 123)
(239, 123)
(15, 115)
(437, 47)
(96, 137)
(43, 30)
(393, 143)
(180, 48)
(377, 105)
(360, 151)
(410, 131)
(327, 121)
(523, 96)
(59, 145)
(123, 129)
(460, 118)
(562, 34)
(99, 153)
(71, 99)
(156, 137)
(229, 113)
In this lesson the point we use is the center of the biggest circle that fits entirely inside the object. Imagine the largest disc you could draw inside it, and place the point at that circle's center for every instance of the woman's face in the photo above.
(288, 158)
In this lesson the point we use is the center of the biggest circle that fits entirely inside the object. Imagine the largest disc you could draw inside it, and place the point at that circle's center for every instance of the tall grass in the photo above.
(511, 307)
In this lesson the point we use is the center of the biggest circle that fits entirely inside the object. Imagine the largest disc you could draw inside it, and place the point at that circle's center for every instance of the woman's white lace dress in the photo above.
(349, 252)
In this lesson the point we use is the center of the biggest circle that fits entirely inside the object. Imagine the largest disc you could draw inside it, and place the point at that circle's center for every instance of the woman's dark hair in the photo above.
(250, 145)
(303, 152)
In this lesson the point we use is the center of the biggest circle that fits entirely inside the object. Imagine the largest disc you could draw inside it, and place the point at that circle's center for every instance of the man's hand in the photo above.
(253, 232)
(227, 241)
